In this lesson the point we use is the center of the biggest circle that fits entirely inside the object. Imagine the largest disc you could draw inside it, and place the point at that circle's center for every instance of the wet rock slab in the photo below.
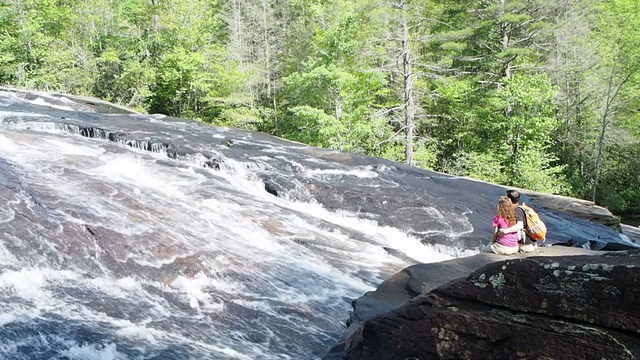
(434, 207)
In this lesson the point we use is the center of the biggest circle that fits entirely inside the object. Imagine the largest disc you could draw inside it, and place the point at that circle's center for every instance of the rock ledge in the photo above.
(569, 307)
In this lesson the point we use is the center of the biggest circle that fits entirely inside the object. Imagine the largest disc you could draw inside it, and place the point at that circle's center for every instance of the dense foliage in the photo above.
(540, 94)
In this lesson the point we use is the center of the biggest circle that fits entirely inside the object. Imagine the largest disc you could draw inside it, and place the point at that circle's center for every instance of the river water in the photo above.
(114, 250)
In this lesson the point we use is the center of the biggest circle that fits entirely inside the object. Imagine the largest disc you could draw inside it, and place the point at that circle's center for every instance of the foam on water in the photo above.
(357, 173)
(7, 145)
(5, 115)
(193, 288)
(40, 125)
(66, 148)
(43, 102)
(6, 257)
(384, 235)
(91, 352)
(136, 172)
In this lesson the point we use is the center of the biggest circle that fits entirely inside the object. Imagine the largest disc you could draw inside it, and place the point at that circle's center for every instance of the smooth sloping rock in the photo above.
(420, 279)
(433, 207)
(579, 208)
(630, 233)
(573, 307)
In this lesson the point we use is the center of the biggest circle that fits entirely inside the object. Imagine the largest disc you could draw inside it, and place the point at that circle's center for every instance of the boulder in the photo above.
(422, 278)
(559, 307)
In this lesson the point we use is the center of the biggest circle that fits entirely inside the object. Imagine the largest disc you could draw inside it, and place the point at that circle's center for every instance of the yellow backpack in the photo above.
(534, 227)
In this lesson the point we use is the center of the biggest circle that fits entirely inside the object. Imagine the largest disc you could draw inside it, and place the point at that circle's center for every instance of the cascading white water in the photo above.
(132, 255)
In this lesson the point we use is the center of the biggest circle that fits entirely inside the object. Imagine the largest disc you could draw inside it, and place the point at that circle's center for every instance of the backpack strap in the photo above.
(524, 235)
(524, 213)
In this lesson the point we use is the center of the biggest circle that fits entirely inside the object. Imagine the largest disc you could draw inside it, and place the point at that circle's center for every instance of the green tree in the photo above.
(325, 68)
(620, 51)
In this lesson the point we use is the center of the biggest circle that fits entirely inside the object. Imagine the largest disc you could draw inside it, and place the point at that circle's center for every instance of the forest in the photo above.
(538, 94)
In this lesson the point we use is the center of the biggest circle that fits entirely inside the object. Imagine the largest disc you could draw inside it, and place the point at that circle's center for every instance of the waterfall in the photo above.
(127, 236)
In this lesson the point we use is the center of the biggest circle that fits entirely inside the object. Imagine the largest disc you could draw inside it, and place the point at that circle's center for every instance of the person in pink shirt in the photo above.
(506, 244)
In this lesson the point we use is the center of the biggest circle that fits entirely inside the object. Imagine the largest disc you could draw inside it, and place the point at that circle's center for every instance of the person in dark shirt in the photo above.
(526, 244)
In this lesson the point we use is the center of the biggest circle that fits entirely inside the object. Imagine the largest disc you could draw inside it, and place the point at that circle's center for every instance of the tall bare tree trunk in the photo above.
(505, 32)
(154, 4)
(267, 49)
(603, 128)
(409, 107)
(612, 93)
(505, 29)
(600, 150)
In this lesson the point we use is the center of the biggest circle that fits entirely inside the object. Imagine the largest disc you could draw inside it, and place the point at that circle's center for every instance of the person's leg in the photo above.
(530, 247)
(487, 249)
(503, 250)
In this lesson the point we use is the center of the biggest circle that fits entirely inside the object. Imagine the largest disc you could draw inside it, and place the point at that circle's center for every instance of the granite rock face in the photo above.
(570, 307)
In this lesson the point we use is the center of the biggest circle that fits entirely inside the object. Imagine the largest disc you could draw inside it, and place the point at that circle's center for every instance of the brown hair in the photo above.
(507, 210)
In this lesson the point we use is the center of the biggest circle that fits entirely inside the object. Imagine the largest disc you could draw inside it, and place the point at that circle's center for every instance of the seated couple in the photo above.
(508, 227)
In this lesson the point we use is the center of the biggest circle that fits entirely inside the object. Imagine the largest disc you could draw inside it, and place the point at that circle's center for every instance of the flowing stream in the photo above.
(113, 250)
